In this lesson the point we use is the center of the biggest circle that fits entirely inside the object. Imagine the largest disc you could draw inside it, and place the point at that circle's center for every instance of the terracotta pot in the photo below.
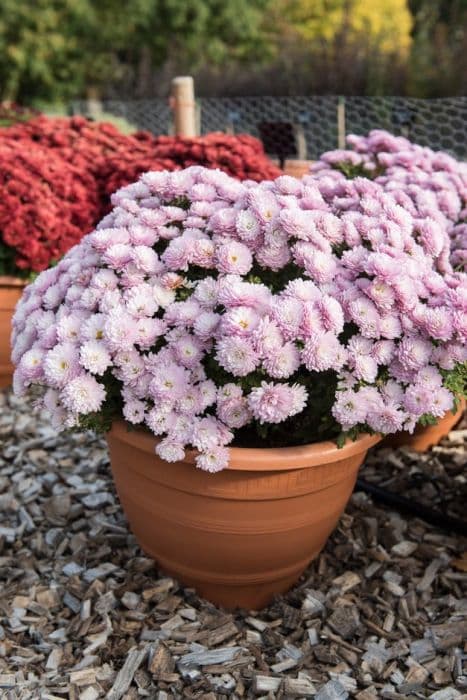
(297, 168)
(245, 534)
(425, 437)
(11, 289)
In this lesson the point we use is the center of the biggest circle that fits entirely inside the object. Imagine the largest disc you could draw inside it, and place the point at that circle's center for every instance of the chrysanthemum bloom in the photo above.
(218, 311)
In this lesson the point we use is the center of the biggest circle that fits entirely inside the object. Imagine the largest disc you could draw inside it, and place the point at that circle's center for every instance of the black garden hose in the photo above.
(406, 505)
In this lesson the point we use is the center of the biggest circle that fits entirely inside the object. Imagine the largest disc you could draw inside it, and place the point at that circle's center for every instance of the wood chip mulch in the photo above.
(84, 614)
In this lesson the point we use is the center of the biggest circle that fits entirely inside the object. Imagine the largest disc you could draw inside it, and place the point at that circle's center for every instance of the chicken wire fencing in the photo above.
(302, 127)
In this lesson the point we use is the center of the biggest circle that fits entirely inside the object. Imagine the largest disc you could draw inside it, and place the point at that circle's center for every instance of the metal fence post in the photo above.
(341, 123)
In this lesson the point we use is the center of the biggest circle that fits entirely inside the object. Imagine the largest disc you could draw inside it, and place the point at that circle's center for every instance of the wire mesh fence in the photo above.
(304, 127)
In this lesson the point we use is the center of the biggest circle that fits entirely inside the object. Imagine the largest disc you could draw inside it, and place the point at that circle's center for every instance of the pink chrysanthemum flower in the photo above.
(83, 394)
(213, 460)
(236, 355)
(274, 403)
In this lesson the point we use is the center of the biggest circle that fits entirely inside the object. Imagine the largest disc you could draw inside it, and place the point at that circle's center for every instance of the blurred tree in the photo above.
(40, 48)
(439, 52)
(386, 23)
(54, 49)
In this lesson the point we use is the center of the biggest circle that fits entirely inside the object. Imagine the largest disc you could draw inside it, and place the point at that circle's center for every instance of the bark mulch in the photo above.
(84, 614)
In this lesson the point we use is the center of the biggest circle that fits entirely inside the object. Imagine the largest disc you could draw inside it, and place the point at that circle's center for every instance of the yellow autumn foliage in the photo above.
(385, 23)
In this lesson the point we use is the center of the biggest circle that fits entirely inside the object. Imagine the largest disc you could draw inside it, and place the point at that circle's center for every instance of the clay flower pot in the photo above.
(297, 168)
(11, 289)
(425, 437)
(245, 534)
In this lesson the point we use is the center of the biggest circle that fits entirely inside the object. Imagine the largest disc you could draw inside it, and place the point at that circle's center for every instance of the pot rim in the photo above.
(10, 281)
(260, 458)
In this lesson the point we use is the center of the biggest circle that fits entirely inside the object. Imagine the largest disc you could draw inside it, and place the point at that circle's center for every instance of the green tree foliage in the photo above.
(40, 47)
(54, 49)
(386, 23)
(438, 58)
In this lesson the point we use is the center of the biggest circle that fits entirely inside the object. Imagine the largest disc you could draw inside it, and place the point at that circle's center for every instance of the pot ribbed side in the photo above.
(10, 293)
(240, 536)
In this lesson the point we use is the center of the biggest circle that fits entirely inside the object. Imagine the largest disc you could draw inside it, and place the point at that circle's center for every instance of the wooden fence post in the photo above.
(341, 135)
(183, 105)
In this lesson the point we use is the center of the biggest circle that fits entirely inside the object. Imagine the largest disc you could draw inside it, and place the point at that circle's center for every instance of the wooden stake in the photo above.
(184, 107)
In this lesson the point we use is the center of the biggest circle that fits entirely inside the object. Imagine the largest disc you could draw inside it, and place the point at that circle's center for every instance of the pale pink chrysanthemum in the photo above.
(207, 393)
(83, 394)
(182, 313)
(382, 294)
(146, 260)
(160, 419)
(209, 432)
(203, 253)
(140, 302)
(229, 392)
(205, 325)
(236, 355)
(274, 403)
(349, 409)
(133, 411)
(438, 323)
(388, 418)
(443, 401)
(331, 313)
(213, 460)
(30, 365)
(364, 313)
(148, 330)
(263, 203)
(247, 226)
(117, 255)
(241, 320)
(414, 352)
(170, 451)
(93, 328)
(120, 329)
(188, 350)
(304, 290)
(170, 382)
(61, 364)
(418, 400)
(365, 367)
(283, 361)
(266, 336)
(177, 254)
(322, 352)
(234, 258)
(234, 412)
(390, 326)
(320, 266)
(141, 235)
(273, 257)
(205, 292)
(383, 351)
(288, 314)
(163, 296)
(94, 357)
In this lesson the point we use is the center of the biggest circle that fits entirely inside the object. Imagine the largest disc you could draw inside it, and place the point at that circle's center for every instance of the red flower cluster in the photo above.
(46, 204)
(57, 174)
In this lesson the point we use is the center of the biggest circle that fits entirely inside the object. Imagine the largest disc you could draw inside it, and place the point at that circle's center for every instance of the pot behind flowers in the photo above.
(11, 289)
(242, 535)
(427, 436)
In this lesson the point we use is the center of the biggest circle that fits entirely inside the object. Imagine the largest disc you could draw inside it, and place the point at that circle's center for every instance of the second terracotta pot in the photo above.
(245, 534)
(11, 289)
(425, 437)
